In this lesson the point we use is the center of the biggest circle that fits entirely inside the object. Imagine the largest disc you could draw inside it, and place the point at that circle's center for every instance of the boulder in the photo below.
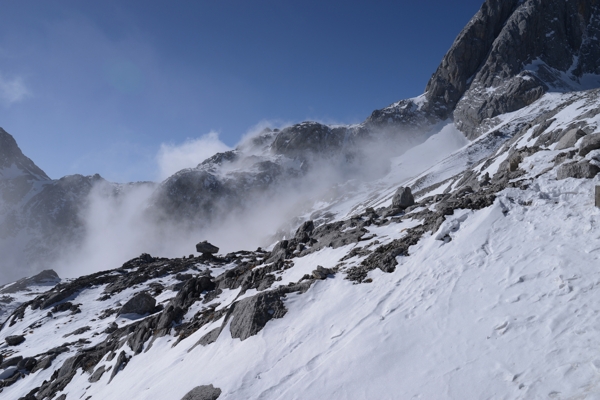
(11, 362)
(303, 233)
(27, 364)
(403, 198)
(251, 314)
(97, 375)
(8, 373)
(206, 248)
(141, 303)
(14, 340)
(589, 143)
(321, 273)
(205, 392)
(580, 170)
(569, 139)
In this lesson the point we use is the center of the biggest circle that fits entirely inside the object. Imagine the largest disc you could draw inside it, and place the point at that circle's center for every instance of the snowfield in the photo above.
(498, 303)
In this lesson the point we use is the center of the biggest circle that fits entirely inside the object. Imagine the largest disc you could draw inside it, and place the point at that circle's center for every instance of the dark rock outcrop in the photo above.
(14, 340)
(206, 248)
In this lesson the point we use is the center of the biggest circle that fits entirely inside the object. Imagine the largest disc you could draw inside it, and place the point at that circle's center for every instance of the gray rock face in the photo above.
(205, 392)
(97, 375)
(470, 49)
(403, 198)
(141, 303)
(304, 231)
(250, 315)
(510, 54)
(580, 170)
(589, 143)
(206, 248)
(308, 138)
(569, 139)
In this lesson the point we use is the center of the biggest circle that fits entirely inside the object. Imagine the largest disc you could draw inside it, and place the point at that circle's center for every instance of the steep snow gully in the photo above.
(466, 269)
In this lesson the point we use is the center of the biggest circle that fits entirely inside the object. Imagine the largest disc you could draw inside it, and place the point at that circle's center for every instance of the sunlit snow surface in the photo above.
(508, 309)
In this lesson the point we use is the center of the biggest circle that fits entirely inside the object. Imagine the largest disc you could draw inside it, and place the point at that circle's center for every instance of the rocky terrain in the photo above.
(455, 269)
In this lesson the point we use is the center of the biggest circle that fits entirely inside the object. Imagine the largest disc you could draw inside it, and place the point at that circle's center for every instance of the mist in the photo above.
(119, 224)
(172, 158)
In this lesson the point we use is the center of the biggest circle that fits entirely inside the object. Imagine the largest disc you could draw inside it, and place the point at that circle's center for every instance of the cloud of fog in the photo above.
(119, 225)
(172, 158)
(13, 90)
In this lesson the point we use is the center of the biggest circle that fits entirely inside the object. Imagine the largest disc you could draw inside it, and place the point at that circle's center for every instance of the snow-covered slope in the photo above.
(443, 268)
(489, 290)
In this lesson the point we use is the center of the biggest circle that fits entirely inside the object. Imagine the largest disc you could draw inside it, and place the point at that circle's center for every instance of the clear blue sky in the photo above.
(98, 86)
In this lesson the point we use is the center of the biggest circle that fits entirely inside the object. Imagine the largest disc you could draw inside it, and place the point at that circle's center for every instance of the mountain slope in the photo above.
(479, 282)
(469, 309)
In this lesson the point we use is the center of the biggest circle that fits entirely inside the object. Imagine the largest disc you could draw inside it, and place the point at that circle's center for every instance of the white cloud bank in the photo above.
(172, 158)
(12, 90)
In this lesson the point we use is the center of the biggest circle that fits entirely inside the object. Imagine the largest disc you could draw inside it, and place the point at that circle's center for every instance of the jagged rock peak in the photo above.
(461, 62)
(511, 53)
(11, 155)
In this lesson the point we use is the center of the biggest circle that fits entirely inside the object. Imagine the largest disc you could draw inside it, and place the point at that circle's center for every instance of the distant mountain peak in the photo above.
(13, 163)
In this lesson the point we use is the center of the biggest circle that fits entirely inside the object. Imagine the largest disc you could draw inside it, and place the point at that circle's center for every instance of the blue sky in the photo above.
(98, 87)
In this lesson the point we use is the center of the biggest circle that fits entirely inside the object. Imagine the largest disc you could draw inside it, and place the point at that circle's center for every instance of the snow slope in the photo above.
(500, 302)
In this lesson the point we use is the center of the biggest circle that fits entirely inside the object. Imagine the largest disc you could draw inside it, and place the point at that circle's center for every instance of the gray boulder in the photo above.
(322, 273)
(304, 231)
(580, 170)
(27, 364)
(569, 139)
(205, 392)
(97, 375)
(8, 373)
(403, 198)
(250, 315)
(206, 248)
(14, 340)
(141, 303)
(11, 362)
(589, 143)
